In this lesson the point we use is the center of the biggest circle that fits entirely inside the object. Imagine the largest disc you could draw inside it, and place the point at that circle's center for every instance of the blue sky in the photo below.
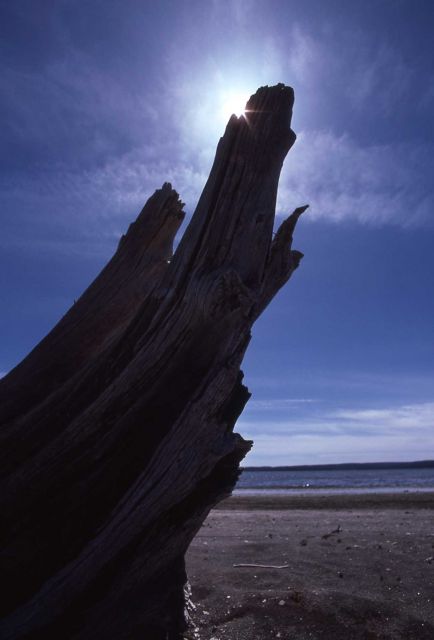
(103, 101)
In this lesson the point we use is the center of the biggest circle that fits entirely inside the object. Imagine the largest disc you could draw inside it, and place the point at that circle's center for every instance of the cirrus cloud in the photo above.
(344, 435)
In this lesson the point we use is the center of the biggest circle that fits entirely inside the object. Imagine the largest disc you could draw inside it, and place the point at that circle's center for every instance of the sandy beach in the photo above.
(358, 567)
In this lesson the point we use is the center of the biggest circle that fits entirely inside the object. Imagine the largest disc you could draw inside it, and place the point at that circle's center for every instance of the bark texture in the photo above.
(117, 429)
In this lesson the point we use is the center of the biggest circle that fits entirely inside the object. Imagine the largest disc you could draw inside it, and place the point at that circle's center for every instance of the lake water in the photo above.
(335, 481)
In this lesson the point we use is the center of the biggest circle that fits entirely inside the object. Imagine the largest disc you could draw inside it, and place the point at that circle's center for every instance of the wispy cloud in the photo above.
(372, 74)
(399, 432)
(73, 100)
(391, 386)
(380, 185)
(238, 10)
(373, 184)
(408, 417)
(103, 142)
(372, 422)
(278, 404)
(91, 207)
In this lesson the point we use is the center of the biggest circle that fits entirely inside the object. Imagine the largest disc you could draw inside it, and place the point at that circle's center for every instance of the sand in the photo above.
(358, 567)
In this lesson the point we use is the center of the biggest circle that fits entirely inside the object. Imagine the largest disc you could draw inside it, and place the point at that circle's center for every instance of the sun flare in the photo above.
(233, 103)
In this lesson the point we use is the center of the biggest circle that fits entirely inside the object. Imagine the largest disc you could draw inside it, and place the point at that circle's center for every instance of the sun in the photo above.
(233, 103)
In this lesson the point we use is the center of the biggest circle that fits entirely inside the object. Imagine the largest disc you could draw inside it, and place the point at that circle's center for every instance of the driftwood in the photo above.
(117, 429)
(331, 533)
(262, 566)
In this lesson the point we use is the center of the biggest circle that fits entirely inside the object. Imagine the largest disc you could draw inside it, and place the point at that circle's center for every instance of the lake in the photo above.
(336, 480)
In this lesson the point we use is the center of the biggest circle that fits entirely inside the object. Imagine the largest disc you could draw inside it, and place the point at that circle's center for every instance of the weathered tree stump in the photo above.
(117, 429)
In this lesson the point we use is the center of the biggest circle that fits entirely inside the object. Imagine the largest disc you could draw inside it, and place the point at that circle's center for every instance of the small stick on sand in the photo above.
(264, 566)
(327, 535)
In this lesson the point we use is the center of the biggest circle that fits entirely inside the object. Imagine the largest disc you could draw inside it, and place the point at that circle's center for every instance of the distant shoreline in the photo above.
(347, 466)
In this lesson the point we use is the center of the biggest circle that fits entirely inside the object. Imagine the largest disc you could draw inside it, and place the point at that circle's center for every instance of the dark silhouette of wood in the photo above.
(117, 429)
